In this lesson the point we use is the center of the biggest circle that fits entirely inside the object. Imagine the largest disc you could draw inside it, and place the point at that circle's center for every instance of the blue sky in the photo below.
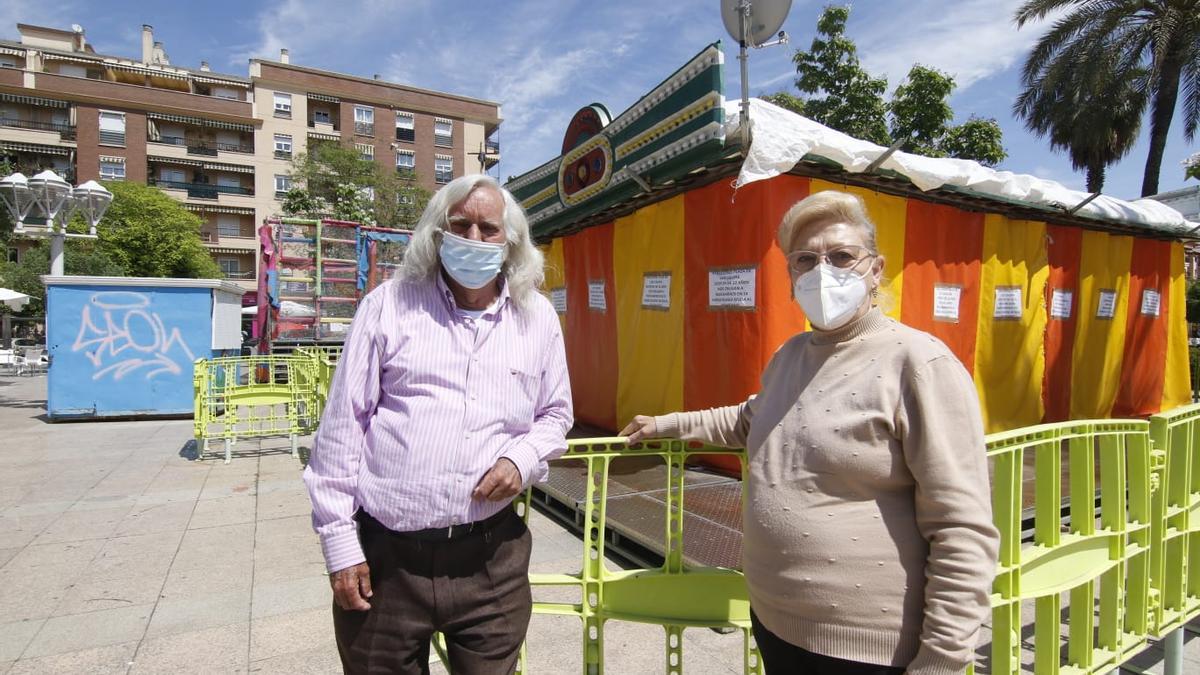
(544, 59)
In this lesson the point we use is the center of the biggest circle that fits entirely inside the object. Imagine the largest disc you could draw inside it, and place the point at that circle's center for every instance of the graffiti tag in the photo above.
(119, 334)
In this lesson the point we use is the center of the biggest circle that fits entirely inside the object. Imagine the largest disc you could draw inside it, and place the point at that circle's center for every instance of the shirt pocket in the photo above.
(523, 390)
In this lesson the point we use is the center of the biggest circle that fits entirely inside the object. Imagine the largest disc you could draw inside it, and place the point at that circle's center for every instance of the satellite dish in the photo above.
(76, 28)
(763, 19)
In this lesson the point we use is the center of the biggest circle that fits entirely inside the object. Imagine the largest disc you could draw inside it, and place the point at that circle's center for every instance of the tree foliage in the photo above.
(840, 93)
(80, 258)
(337, 182)
(1191, 167)
(1193, 301)
(151, 235)
(1134, 56)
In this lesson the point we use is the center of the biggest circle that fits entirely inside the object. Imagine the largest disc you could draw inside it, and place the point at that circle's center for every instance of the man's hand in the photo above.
(641, 428)
(352, 587)
(501, 481)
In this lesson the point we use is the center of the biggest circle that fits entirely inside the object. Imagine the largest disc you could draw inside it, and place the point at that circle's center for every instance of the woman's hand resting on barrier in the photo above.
(641, 428)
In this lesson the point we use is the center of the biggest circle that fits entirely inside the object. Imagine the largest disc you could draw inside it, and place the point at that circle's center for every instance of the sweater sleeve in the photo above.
(726, 427)
(942, 434)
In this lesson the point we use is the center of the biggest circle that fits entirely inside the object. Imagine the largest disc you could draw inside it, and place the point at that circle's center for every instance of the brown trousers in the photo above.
(474, 590)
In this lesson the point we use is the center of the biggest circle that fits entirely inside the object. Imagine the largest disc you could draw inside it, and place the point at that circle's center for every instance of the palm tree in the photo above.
(1153, 46)
(1095, 122)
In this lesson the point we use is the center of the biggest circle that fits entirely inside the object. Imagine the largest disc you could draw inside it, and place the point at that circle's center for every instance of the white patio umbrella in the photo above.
(13, 299)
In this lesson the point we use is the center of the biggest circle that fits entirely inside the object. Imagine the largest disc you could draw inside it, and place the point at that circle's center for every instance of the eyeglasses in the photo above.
(843, 257)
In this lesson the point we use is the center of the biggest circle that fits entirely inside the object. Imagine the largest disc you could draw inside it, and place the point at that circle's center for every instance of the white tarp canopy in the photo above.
(782, 138)
(15, 301)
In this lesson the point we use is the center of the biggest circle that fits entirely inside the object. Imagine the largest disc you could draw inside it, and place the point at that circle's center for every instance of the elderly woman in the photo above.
(869, 545)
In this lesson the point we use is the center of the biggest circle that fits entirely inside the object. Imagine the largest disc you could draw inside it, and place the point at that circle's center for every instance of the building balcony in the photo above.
(139, 97)
(203, 190)
(247, 244)
(491, 146)
(39, 131)
(322, 126)
(206, 148)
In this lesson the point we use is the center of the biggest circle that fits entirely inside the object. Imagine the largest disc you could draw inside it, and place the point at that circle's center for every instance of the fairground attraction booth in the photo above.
(658, 227)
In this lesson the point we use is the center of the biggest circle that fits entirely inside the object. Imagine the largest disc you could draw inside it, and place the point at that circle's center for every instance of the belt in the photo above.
(438, 533)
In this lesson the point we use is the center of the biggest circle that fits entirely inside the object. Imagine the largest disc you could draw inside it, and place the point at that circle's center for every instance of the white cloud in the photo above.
(970, 39)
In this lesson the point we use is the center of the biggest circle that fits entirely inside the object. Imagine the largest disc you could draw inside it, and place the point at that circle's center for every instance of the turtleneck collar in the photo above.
(871, 322)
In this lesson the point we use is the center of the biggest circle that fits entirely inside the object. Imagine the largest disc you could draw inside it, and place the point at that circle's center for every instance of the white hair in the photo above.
(523, 263)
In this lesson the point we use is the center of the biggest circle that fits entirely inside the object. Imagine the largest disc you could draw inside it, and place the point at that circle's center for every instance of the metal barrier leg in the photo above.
(228, 449)
(295, 445)
(203, 448)
(1173, 652)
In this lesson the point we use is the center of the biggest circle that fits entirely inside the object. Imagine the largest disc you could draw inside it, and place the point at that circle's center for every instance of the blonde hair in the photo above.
(828, 206)
(523, 265)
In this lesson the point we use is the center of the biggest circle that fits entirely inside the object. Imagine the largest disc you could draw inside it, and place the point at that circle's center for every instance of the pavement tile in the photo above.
(89, 630)
(221, 649)
(311, 661)
(7, 554)
(183, 615)
(229, 510)
(290, 595)
(157, 517)
(15, 636)
(145, 553)
(282, 504)
(82, 525)
(110, 659)
(19, 530)
(216, 546)
(36, 556)
(89, 594)
(26, 594)
(283, 634)
(192, 582)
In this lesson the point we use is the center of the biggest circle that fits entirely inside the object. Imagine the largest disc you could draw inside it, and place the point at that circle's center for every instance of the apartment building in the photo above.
(220, 143)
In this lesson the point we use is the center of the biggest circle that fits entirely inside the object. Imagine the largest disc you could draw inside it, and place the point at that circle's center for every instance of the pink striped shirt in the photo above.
(424, 402)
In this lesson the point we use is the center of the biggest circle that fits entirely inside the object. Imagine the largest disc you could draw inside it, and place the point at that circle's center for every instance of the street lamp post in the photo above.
(55, 199)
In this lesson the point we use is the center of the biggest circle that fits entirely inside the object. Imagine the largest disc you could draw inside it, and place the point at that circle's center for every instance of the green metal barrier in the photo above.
(1101, 560)
(241, 397)
(1175, 551)
(670, 596)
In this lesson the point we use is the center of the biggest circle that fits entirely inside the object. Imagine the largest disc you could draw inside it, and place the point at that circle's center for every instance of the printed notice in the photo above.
(1106, 305)
(558, 298)
(945, 302)
(1008, 303)
(656, 290)
(596, 298)
(732, 288)
(1151, 300)
(338, 328)
(1060, 303)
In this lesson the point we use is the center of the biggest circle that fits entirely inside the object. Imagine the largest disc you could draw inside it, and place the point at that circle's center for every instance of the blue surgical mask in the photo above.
(474, 264)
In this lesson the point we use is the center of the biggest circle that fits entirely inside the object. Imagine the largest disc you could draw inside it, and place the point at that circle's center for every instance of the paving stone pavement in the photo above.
(122, 553)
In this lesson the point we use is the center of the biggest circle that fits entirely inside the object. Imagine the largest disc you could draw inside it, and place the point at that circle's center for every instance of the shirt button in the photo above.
(454, 520)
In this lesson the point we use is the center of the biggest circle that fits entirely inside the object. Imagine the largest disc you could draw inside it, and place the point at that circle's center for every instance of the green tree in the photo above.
(786, 101)
(1191, 167)
(151, 235)
(920, 111)
(80, 257)
(1148, 46)
(1193, 301)
(980, 139)
(839, 93)
(335, 181)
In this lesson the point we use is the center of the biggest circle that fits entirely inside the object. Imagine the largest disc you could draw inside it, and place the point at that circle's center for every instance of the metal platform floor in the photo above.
(636, 509)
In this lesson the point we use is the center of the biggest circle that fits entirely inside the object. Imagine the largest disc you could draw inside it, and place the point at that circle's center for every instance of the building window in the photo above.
(283, 105)
(231, 267)
(72, 70)
(443, 133)
(366, 151)
(229, 225)
(404, 127)
(283, 146)
(443, 169)
(170, 176)
(14, 254)
(364, 120)
(222, 92)
(406, 162)
(321, 117)
(112, 170)
(112, 128)
(8, 61)
(282, 185)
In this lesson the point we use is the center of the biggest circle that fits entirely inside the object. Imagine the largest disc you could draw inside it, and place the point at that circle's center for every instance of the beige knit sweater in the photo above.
(868, 522)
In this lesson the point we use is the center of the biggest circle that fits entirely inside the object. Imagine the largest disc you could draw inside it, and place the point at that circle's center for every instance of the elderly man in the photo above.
(450, 397)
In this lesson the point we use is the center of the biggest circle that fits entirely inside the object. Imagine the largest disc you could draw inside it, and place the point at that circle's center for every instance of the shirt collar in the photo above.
(448, 296)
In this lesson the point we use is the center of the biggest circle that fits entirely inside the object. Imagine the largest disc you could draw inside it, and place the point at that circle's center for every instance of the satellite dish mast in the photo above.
(752, 23)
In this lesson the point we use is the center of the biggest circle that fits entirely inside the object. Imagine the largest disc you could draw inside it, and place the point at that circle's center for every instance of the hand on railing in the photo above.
(642, 427)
